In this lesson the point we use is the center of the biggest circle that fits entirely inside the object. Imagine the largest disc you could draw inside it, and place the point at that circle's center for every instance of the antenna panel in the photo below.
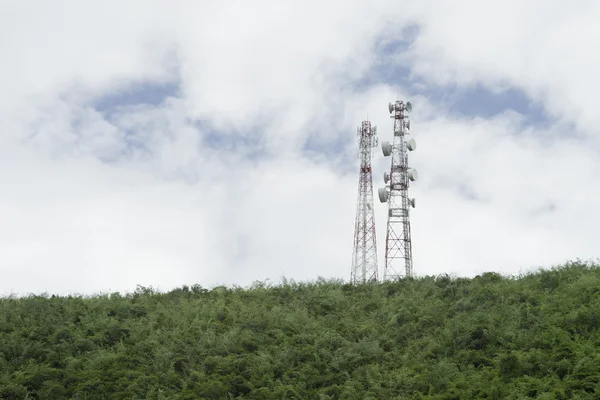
(386, 177)
(383, 194)
(386, 147)
(411, 145)
(413, 175)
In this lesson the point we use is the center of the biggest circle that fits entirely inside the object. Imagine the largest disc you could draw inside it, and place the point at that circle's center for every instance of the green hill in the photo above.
(536, 336)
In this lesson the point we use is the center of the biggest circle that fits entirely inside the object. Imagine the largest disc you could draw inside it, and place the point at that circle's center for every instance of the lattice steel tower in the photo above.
(398, 245)
(364, 259)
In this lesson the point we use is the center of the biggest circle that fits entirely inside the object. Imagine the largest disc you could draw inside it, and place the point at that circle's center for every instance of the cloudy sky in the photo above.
(165, 143)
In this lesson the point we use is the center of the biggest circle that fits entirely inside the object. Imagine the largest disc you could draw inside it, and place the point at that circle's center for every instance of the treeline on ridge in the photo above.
(533, 336)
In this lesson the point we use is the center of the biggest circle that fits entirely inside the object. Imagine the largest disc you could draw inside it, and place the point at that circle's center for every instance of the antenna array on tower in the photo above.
(398, 246)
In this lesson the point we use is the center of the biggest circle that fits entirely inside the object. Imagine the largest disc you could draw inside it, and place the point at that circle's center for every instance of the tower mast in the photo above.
(364, 258)
(398, 244)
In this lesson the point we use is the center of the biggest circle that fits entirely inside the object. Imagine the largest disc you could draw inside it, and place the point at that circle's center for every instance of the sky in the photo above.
(162, 144)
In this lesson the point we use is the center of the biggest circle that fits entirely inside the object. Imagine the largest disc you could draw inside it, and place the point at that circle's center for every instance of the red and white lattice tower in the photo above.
(398, 245)
(364, 258)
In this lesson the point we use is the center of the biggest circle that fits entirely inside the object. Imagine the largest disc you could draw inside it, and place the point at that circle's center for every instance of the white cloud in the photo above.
(516, 180)
(542, 47)
(95, 203)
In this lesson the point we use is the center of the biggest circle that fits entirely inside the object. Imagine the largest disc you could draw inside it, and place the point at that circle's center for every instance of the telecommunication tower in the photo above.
(398, 245)
(364, 259)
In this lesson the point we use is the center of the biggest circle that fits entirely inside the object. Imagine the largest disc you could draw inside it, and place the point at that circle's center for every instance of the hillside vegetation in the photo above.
(536, 336)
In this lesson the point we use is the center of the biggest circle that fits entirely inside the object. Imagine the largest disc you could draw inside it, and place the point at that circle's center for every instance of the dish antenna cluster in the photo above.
(364, 257)
(398, 246)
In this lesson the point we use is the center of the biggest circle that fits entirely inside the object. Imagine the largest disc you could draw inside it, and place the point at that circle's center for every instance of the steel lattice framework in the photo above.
(398, 244)
(364, 259)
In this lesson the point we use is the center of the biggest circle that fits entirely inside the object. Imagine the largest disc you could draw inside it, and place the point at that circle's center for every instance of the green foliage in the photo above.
(535, 336)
